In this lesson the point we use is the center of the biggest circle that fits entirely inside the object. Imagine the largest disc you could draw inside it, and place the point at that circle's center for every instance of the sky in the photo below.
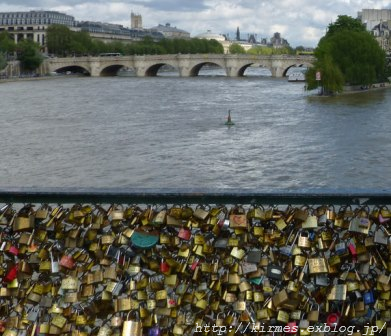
(300, 22)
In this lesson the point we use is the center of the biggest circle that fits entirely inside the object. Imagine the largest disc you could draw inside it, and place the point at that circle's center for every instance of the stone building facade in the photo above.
(32, 25)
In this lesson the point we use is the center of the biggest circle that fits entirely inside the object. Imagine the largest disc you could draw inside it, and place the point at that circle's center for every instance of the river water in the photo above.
(169, 132)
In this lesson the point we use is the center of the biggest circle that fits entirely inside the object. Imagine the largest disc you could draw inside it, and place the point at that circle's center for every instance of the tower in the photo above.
(237, 34)
(136, 21)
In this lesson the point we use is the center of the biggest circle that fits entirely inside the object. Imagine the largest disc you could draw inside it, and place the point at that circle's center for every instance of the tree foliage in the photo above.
(347, 54)
(331, 80)
(235, 48)
(3, 61)
(61, 41)
(58, 39)
(345, 23)
(7, 44)
(29, 55)
(265, 50)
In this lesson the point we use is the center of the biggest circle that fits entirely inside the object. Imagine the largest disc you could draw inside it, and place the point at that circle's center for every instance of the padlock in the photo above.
(313, 315)
(104, 330)
(184, 233)
(291, 328)
(369, 297)
(144, 238)
(274, 272)
(303, 240)
(67, 261)
(333, 320)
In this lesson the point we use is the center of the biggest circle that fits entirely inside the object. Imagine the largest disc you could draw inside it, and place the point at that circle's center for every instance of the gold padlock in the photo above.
(132, 327)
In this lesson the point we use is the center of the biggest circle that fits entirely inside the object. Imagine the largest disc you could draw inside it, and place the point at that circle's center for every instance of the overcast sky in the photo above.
(301, 22)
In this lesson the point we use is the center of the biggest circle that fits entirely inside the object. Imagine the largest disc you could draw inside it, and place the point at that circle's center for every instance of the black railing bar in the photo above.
(192, 196)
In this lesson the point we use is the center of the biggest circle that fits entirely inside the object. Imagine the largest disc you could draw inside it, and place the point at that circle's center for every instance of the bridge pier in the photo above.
(184, 71)
(231, 72)
(95, 69)
(140, 71)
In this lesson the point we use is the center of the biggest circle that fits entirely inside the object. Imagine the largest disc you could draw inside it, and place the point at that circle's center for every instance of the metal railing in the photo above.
(192, 196)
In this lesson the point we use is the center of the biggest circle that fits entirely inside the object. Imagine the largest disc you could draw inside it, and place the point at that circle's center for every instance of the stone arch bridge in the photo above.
(187, 65)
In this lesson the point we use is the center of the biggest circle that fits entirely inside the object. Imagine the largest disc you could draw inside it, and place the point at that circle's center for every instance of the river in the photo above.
(169, 132)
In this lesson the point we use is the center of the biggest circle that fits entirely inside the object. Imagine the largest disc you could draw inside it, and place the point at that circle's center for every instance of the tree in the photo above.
(7, 44)
(260, 50)
(345, 23)
(215, 47)
(347, 54)
(331, 77)
(236, 48)
(58, 39)
(3, 61)
(29, 55)
(81, 43)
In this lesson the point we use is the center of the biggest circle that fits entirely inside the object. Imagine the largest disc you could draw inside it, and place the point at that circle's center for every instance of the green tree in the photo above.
(7, 44)
(345, 23)
(347, 50)
(81, 43)
(29, 55)
(260, 50)
(58, 40)
(215, 47)
(282, 51)
(236, 48)
(331, 78)
(3, 61)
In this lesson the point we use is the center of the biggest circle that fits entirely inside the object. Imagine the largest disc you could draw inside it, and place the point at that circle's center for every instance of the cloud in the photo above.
(300, 22)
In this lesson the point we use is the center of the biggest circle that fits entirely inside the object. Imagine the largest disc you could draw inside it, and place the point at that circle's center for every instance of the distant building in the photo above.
(208, 35)
(108, 32)
(278, 42)
(378, 22)
(170, 32)
(372, 17)
(381, 32)
(136, 21)
(32, 25)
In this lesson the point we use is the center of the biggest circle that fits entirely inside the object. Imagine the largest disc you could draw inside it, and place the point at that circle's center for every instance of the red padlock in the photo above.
(184, 233)
(353, 251)
(2, 326)
(11, 274)
(291, 328)
(194, 265)
(164, 266)
(67, 262)
(13, 250)
(333, 319)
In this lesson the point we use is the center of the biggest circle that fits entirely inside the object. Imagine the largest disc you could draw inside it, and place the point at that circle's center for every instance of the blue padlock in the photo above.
(368, 297)
(312, 235)
(154, 331)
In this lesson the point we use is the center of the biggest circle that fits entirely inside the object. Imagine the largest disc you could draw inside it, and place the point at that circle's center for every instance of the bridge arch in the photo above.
(153, 70)
(195, 70)
(111, 70)
(73, 69)
(296, 65)
(242, 69)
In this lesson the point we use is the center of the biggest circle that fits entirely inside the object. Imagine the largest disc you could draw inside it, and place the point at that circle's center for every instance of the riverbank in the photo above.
(360, 89)
(48, 77)
(348, 90)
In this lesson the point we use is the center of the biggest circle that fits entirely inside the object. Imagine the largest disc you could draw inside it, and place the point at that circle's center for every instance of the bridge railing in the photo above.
(87, 264)
(193, 196)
